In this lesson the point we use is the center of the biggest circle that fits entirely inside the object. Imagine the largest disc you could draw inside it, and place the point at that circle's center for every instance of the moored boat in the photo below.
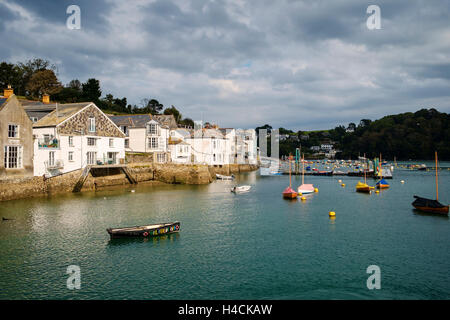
(305, 188)
(237, 189)
(429, 205)
(363, 187)
(151, 230)
(382, 184)
(223, 177)
(289, 193)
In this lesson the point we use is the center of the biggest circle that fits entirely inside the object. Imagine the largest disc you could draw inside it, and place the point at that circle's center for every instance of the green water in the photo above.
(248, 246)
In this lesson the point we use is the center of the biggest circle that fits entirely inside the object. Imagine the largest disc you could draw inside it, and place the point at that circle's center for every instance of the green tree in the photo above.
(173, 111)
(91, 90)
(41, 82)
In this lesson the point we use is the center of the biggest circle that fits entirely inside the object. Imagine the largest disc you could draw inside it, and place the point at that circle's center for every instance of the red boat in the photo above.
(289, 193)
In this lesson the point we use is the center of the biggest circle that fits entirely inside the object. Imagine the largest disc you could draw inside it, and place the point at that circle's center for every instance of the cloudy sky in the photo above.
(296, 64)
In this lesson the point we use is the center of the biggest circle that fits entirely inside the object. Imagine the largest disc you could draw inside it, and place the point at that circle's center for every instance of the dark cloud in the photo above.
(295, 64)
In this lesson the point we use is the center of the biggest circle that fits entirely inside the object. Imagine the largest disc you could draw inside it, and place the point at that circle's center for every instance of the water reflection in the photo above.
(163, 239)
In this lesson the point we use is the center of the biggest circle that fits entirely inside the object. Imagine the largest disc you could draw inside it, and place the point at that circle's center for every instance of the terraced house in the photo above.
(74, 136)
(16, 137)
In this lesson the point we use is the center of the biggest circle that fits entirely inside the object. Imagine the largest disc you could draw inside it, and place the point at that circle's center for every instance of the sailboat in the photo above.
(305, 188)
(289, 193)
(381, 184)
(429, 205)
(363, 187)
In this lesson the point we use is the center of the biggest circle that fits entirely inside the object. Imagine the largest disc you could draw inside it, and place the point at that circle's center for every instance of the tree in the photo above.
(174, 111)
(91, 90)
(151, 106)
(41, 82)
(9, 75)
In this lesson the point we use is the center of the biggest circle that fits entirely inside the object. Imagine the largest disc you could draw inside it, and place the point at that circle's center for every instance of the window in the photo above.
(70, 141)
(152, 129)
(70, 156)
(34, 119)
(111, 143)
(51, 158)
(91, 141)
(153, 143)
(13, 157)
(13, 131)
(127, 143)
(161, 157)
(91, 124)
(124, 129)
(91, 157)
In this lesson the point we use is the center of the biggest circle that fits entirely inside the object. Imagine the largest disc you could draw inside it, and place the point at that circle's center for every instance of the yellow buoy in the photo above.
(303, 198)
(343, 185)
(316, 190)
(377, 191)
(332, 213)
(300, 194)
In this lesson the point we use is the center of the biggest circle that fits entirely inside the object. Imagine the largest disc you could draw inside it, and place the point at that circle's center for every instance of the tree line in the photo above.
(411, 135)
(36, 77)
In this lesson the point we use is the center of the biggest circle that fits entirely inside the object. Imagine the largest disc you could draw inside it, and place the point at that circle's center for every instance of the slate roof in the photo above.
(131, 121)
(64, 112)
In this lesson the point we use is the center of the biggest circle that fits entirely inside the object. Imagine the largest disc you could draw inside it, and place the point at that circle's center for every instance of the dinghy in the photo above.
(382, 184)
(304, 188)
(240, 189)
(289, 193)
(151, 230)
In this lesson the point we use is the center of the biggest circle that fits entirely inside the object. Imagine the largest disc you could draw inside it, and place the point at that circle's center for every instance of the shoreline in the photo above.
(100, 178)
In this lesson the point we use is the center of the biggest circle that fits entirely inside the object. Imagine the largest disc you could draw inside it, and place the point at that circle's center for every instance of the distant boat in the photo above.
(289, 193)
(151, 230)
(240, 189)
(428, 205)
(363, 187)
(382, 184)
(222, 177)
(305, 188)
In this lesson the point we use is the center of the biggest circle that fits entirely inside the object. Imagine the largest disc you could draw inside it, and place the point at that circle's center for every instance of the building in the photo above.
(16, 137)
(145, 133)
(36, 110)
(180, 151)
(326, 147)
(208, 147)
(73, 136)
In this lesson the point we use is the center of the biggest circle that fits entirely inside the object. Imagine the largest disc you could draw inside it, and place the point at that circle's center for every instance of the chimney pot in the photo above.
(46, 99)
(8, 92)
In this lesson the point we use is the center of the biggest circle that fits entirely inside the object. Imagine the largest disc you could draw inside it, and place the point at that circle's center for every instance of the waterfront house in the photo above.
(16, 137)
(144, 133)
(180, 151)
(73, 136)
(208, 147)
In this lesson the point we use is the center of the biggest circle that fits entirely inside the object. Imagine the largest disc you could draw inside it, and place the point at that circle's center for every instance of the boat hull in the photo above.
(144, 231)
(429, 206)
(292, 195)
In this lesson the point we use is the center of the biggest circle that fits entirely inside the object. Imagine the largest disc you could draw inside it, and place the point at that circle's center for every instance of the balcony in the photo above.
(48, 143)
(54, 165)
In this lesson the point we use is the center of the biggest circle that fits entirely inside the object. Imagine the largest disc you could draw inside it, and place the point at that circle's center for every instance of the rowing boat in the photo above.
(151, 230)
(240, 189)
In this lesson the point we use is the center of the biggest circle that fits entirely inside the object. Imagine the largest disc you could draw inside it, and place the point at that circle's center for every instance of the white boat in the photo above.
(305, 188)
(240, 189)
(222, 177)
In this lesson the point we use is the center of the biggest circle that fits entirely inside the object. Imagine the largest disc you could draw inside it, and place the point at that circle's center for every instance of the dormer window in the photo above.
(152, 129)
(91, 124)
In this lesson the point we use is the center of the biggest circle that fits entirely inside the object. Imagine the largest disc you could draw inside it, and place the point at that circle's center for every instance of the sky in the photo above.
(302, 65)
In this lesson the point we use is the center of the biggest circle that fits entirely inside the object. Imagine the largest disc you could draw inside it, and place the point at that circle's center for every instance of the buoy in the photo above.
(303, 198)
(403, 181)
(377, 191)
(132, 190)
(300, 194)
(316, 189)
(340, 181)
(332, 213)
(343, 185)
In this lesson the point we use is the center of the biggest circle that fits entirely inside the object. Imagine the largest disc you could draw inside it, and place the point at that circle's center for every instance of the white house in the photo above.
(144, 133)
(180, 151)
(73, 136)
(208, 147)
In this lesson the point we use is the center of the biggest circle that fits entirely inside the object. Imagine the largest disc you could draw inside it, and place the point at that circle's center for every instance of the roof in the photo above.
(166, 119)
(178, 142)
(207, 133)
(63, 113)
(132, 121)
(184, 132)
(2, 100)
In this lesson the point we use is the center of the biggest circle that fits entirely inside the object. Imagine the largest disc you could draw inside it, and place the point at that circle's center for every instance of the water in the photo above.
(247, 246)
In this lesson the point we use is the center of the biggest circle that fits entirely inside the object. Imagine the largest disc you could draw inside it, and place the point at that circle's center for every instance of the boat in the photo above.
(237, 189)
(428, 205)
(382, 184)
(222, 177)
(151, 230)
(305, 188)
(363, 186)
(289, 193)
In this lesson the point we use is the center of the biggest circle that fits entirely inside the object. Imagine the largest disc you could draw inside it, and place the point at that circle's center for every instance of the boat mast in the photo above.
(303, 169)
(364, 168)
(437, 191)
(290, 183)
(381, 169)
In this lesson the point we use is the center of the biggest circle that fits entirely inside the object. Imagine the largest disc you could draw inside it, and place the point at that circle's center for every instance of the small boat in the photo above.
(222, 177)
(363, 187)
(382, 184)
(305, 188)
(428, 205)
(240, 189)
(289, 193)
(151, 230)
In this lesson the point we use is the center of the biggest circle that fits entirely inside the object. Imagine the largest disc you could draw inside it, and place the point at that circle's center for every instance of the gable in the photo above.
(104, 127)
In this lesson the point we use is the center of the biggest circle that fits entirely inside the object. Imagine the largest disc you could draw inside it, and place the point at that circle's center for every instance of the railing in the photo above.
(48, 143)
(57, 164)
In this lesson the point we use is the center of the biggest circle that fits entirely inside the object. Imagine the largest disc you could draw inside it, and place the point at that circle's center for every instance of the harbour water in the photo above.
(246, 246)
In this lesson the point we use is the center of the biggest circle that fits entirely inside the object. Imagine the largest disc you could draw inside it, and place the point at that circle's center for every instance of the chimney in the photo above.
(45, 98)
(8, 92)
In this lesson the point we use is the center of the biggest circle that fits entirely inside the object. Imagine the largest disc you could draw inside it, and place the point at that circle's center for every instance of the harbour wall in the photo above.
(19, 188)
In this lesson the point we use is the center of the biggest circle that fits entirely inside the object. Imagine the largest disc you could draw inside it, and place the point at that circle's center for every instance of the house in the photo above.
(180, 151)
(326, 147)
(73, 136)
(208, 147)
(16, 137)
(246, 146)
(144, 133)
(315, 148)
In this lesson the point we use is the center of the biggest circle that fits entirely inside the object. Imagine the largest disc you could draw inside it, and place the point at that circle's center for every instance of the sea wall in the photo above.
(11, 189)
